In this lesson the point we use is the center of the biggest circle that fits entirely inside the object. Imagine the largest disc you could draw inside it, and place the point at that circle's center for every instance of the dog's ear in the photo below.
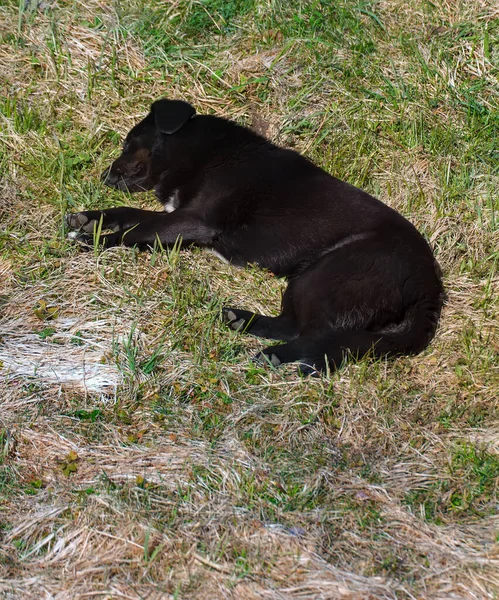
(171, 115)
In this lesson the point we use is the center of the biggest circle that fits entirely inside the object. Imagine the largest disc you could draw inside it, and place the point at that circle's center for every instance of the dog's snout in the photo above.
(108, 177)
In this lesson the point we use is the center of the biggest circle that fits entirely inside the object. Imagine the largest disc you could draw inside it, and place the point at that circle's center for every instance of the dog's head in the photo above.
(132, 171)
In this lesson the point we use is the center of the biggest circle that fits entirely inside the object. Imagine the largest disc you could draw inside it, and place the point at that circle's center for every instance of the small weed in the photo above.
(88, 415)
(469, 488)
(47, 332)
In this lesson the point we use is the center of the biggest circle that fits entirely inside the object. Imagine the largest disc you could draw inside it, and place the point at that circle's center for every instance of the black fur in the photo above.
(361, 277)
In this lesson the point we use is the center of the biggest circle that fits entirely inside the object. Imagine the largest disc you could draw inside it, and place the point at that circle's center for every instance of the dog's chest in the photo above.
(172, 203)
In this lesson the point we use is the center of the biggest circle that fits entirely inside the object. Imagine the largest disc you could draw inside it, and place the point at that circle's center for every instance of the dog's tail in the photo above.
(414, 332)
(410, 336)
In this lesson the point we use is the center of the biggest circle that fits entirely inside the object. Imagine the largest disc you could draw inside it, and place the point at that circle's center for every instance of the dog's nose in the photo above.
(108, 177)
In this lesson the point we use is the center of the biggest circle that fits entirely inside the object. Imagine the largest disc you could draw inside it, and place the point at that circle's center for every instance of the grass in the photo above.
(142, 454)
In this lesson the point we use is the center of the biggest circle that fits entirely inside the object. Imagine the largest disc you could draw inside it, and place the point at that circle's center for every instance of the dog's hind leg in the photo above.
(310, 353)
(315, 354)
(282, 327)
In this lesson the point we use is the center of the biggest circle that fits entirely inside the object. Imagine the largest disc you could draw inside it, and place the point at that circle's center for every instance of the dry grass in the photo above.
(142, 455)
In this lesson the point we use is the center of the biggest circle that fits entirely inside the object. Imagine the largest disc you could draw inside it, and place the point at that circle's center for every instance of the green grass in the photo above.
(468, 486)
(201, 471)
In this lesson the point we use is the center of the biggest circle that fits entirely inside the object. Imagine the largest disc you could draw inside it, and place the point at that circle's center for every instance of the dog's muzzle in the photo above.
(109, 178)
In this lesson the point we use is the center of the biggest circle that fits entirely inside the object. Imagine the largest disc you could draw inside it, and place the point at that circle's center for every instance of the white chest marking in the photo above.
(172, 203)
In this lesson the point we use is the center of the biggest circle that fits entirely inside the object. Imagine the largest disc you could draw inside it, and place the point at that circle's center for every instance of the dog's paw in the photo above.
(308, 370)
(85, 240)
(232, 319)
(81, 221)
(262, 358)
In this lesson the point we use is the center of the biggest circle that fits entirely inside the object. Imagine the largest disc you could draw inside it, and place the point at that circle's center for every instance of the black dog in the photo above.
(361, 277)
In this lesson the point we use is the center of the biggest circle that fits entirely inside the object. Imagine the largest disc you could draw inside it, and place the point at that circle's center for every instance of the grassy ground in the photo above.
(142, 455)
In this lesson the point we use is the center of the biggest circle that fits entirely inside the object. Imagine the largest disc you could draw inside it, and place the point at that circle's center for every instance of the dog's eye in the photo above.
(138, 168)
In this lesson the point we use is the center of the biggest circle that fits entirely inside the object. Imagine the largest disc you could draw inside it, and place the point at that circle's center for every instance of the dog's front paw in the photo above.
(85, 240)
(233, 319)
(85, 221)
